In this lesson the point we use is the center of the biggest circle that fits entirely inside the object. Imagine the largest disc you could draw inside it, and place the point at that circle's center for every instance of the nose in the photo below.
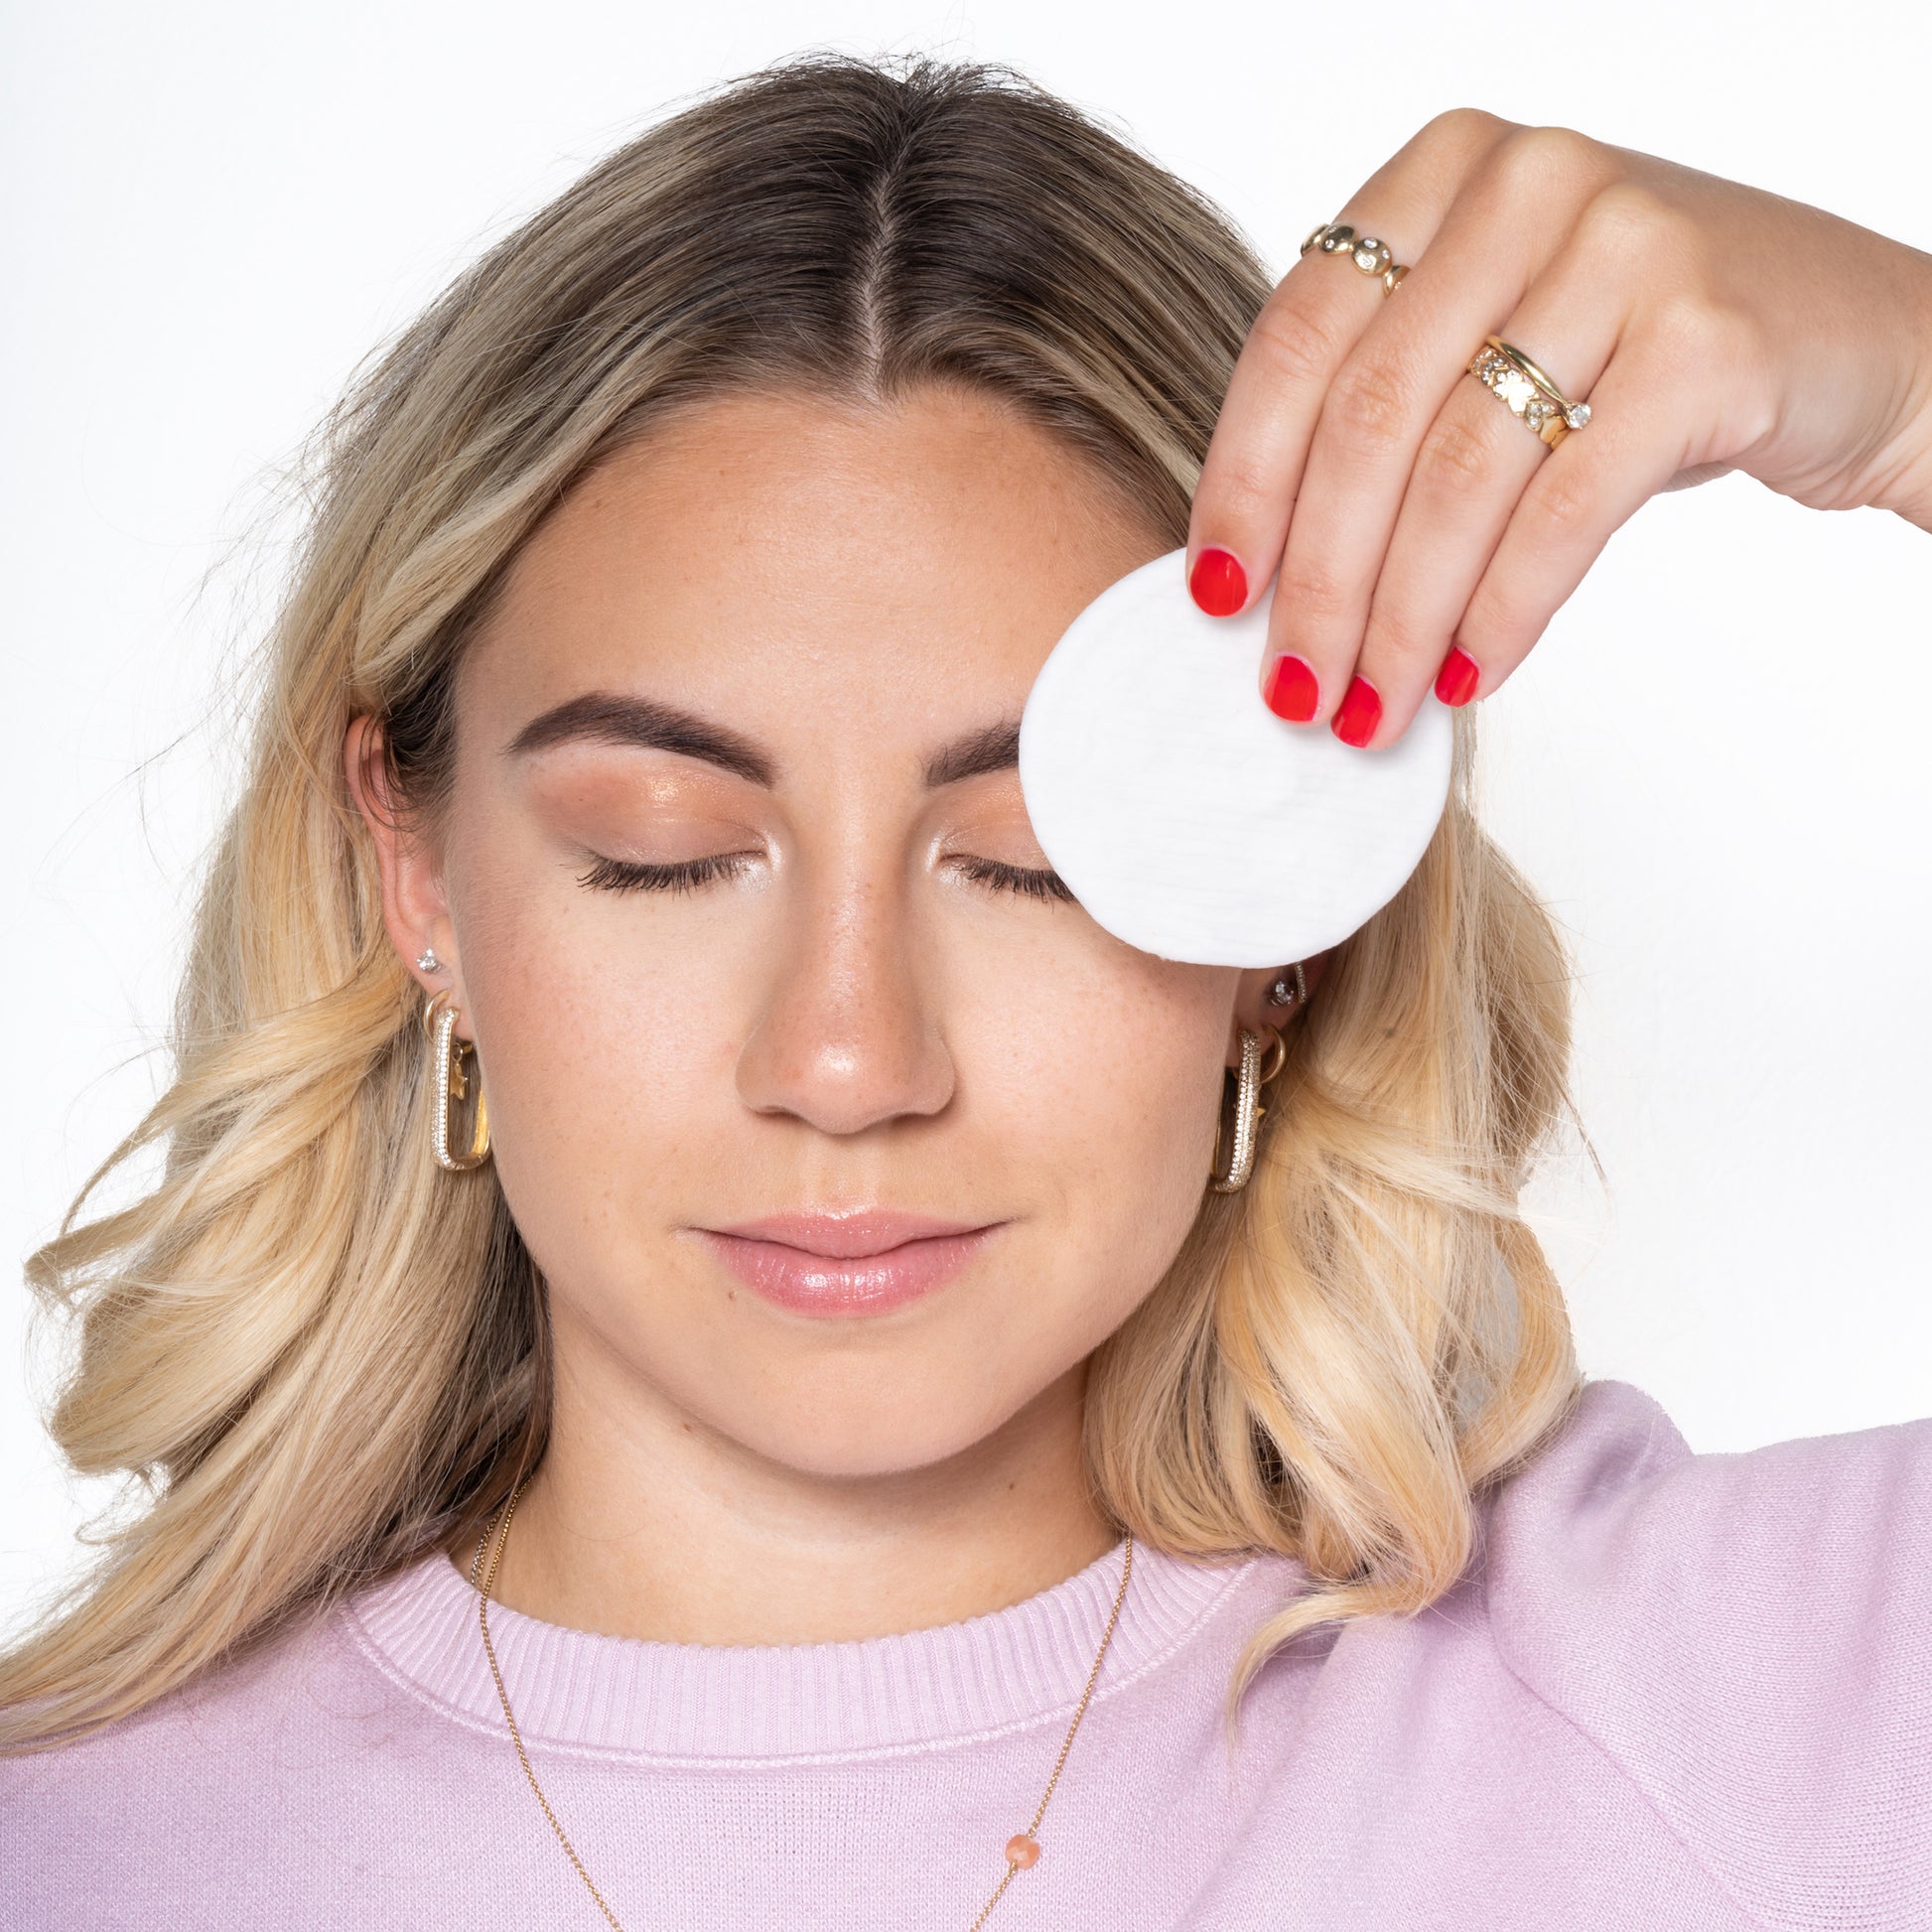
(846, 1037)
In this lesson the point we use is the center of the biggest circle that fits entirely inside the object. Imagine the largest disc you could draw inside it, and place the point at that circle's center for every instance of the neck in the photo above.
(641, 1522)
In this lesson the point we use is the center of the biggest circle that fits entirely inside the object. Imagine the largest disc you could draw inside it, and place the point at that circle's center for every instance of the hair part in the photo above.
(324, 1356)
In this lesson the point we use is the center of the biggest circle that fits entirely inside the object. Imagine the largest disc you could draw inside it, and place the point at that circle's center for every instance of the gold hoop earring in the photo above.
(1249, 1107)
(448, 1083)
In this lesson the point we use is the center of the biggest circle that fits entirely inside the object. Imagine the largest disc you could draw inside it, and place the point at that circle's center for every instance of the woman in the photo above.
(704, 1359)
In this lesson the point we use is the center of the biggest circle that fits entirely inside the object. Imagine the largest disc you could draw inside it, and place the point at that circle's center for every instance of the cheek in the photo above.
(1100, 1074)
(604, 1029)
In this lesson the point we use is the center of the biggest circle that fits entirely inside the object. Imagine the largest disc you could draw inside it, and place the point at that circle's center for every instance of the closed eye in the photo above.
(686, 875)
(1033, 883)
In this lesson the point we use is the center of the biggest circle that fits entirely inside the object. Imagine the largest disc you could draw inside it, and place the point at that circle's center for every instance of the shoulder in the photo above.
(1618, 1523)
(217, 1766)
(1747, 1634)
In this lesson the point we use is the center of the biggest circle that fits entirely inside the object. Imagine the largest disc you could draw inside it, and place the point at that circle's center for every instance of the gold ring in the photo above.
(1371, 256)
(1511, 376)
(1535, 373)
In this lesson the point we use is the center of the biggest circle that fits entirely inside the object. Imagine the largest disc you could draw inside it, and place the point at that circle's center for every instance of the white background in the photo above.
(1714, 765)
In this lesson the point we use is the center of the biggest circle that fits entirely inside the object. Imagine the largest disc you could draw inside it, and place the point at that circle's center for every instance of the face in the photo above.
(742, 910)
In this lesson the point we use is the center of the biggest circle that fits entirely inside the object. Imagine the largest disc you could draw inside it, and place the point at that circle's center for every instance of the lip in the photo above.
(863, 1263)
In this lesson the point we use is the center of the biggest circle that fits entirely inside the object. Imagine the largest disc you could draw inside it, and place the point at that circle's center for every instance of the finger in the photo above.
(1511, 217)
(1475, 462)
(1252, 471)
(1654, 414)
(1643, 415)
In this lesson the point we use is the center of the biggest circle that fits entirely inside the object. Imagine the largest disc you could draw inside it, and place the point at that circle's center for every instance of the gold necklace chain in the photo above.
(1023, 1849)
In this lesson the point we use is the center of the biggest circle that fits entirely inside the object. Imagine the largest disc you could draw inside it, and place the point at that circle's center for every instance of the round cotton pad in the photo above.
(1188, 818)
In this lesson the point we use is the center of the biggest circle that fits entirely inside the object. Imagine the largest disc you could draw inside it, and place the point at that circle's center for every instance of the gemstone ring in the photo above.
(1371, 256)
(1511, 376)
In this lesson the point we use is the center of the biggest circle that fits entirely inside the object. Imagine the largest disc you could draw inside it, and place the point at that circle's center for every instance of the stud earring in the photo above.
(427, 961)
(1249, 1108)
(448, 1083)
(1281, 994)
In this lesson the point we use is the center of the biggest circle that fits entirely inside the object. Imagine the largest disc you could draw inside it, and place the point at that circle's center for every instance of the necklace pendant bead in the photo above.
(1021, 1851)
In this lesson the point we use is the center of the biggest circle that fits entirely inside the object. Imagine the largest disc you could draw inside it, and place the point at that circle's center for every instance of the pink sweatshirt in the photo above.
(1673, 1691)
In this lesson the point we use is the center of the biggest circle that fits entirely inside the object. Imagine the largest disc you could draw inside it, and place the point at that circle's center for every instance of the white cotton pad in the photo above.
(1188, 818)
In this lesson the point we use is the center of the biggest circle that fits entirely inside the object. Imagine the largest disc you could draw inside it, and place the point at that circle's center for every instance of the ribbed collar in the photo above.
(949, 1683)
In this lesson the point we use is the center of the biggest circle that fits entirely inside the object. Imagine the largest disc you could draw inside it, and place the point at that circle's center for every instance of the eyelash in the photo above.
(1015, 879)
(619, 875)
(623, 875)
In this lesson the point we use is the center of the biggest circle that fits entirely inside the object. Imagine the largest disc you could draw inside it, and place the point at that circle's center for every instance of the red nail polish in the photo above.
(1457, 681)
(1292, 690)
(1219, 585)
(1358, 714)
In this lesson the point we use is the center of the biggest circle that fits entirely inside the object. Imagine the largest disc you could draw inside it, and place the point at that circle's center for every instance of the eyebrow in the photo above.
(644, 724)
(993, 747)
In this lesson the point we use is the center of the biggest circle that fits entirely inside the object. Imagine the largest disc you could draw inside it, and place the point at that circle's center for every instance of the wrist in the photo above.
(1913, 499)
(1906, 489)
(1907, 492)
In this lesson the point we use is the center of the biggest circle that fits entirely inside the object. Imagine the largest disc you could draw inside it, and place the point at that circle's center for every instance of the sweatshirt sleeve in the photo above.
(1748, 1636)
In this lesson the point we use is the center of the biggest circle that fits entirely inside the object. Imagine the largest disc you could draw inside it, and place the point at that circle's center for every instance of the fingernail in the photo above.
(1292, 690)
(1457, 681)
(1358, 714)
(1219, 584)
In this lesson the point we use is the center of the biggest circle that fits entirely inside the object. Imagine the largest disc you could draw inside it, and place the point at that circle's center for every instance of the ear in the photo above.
(1251, 1008)
(415, 909)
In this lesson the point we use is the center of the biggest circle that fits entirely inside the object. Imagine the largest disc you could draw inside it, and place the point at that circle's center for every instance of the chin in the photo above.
(883, 1419)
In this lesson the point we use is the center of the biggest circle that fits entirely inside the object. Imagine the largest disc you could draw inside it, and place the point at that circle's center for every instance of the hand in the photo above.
(1424, 535)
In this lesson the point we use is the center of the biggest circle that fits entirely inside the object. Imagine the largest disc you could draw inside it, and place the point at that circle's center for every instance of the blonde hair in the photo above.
(321, 1355)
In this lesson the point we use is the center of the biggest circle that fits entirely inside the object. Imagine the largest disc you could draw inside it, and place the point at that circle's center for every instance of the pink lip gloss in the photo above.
(854, 1265)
